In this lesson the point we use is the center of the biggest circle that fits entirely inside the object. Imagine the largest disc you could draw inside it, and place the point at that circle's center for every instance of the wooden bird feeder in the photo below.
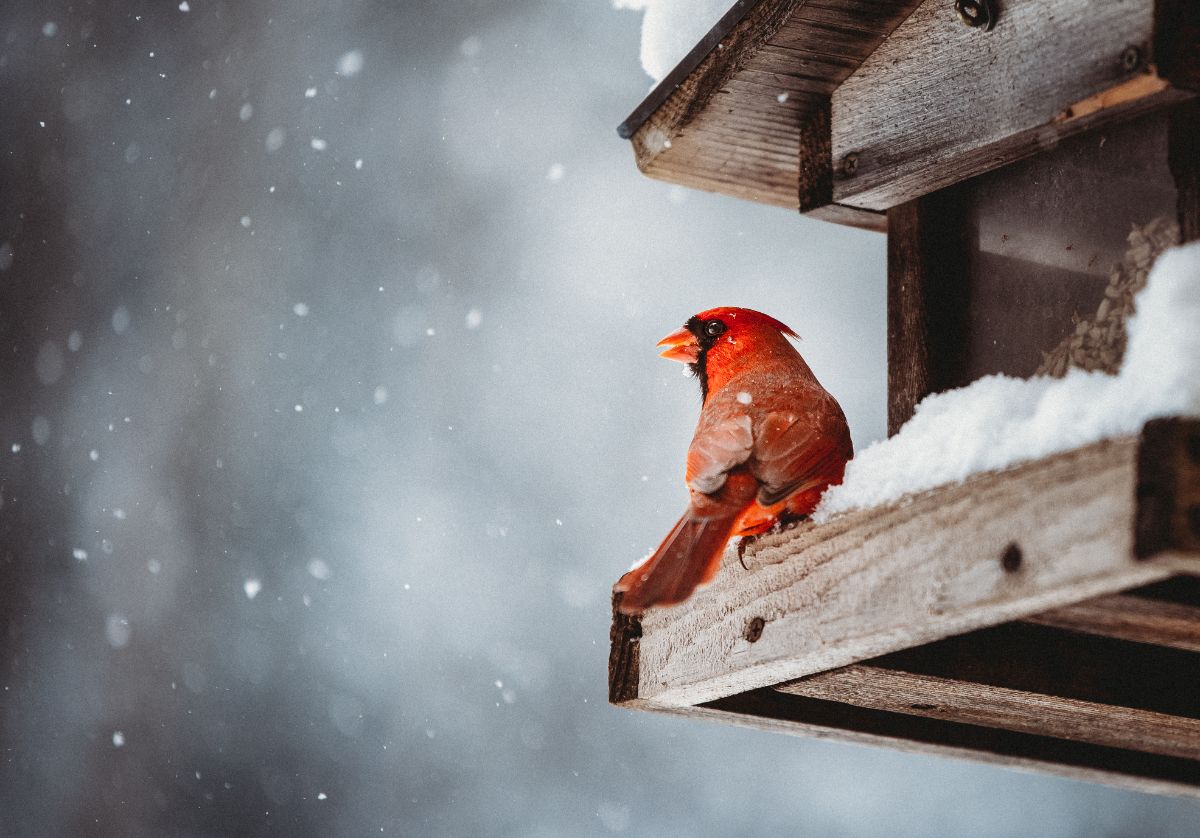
(1027, 159)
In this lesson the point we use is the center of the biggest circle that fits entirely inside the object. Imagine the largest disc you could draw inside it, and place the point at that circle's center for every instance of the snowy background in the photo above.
(330, 410)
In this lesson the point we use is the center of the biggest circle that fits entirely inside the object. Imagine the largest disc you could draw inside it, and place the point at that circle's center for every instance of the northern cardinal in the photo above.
(769, 441)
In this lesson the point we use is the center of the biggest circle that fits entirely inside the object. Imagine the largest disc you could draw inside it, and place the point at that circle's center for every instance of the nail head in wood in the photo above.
(850, 165)
(1131, 58)
(1011, 559)
(755, 629)
(980, 14)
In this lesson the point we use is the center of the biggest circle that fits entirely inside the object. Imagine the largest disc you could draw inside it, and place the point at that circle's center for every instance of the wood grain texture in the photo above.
(734, 124)
(939, 102)
(982, 704)
(908, 344)
(1131, 618)
(1030, 658)
(850, 217)
(1168, 488)
(875, 581)
(771, 710)
(927, 303)
(816, 159)
(921, 100)
(1183, 158)
(623, 639)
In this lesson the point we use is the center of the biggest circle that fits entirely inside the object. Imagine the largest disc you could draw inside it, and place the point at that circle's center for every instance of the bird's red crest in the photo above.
(731, 315)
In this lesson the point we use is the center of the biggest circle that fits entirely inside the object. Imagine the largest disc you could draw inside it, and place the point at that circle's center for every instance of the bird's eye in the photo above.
(714, 328)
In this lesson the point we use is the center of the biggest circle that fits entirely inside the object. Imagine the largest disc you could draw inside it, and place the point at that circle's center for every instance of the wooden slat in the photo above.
(771, 710)
(850, 217)
(981, 704)
(1183, 158)
(816, 176)
(1131, 618)
(928, 302)
(623, 656)
(722, 127)
(1039, 659)
(908, 326)
(1169, 488)
(908, 573)
(939, 102)
(1177, 42)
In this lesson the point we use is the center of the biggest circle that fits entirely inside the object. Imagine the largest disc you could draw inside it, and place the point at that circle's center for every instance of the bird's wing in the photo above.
(720, 444)
(795, 450)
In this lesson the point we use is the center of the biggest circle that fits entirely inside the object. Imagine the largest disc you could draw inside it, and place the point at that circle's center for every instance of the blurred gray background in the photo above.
(331, 410)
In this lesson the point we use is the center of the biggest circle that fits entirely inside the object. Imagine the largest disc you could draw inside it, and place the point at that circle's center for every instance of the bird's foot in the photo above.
(783, 524)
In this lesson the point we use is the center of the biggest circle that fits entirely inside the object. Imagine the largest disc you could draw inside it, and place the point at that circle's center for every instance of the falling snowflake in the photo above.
(350, 64)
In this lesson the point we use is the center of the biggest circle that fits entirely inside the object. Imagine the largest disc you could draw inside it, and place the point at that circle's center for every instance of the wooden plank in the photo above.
(927, 304)
(732, 123)
(816, 160)
(1168, 488)
(908, 573)
(1130, 618)
(623, 638)
(939, 102)
(1183, 159)
(850, 217)
(908, 334)
(982, 704)
(771, 710)
(1038, 659)
(1177, 42)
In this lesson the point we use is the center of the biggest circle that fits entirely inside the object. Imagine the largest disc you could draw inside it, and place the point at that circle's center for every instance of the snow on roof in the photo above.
(999, 421)
(671, 28)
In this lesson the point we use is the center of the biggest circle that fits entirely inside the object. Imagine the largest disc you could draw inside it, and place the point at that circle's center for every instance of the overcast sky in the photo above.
(331, 411)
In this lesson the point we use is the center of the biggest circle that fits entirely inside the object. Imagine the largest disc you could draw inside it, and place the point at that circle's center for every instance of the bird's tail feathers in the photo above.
(689, 556)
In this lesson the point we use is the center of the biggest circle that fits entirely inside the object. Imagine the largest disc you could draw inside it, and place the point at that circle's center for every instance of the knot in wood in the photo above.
(754, 629)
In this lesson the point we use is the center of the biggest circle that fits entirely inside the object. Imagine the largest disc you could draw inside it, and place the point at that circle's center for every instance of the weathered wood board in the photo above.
(771, 710)
(969, 702)
(733, 122)
(1132, 618)
(1169, 491)
(999, 547)
(918, 101)
(1102, 691)
(939, 101)
(924, 625)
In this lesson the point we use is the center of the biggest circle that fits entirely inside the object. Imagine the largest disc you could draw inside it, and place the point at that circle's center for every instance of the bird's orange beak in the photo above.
(680, 346)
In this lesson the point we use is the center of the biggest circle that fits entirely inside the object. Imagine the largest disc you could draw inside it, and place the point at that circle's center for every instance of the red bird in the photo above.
(769, 441)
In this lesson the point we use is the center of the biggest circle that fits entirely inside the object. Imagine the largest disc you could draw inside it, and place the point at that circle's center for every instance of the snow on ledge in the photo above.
(671, 28)
(999, 421)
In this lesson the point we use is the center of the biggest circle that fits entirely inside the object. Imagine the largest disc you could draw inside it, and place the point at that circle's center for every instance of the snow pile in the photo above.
(671, 28)
(998, 421)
